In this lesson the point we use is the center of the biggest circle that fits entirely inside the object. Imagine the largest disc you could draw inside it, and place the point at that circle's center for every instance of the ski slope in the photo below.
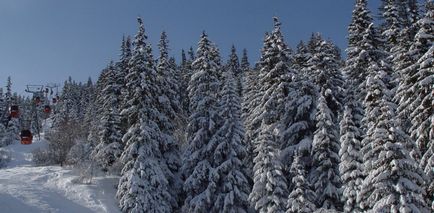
(27, 188)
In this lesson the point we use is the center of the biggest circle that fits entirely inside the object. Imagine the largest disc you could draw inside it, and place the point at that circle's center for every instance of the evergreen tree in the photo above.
(301, 196)
(202, 125)
(351, 163)
(249, 85)
(324, 68)
(144, 182)
(228, 187)
(394, 180)
(270, 191)
(408, 95)
(234, 65)
(185, 70)
(169, 105)
(386, 149)
(325, 148)
(301, 58)
(360, 21)
(109, 148)
(122, 72)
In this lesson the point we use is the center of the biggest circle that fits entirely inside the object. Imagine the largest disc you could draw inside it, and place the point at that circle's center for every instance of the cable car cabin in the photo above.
(37, 100)
(47, 109)
(54, 100)
(26, 137)
(14, 111)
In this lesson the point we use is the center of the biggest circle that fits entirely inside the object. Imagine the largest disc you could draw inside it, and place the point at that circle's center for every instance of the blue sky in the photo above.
(45, 41)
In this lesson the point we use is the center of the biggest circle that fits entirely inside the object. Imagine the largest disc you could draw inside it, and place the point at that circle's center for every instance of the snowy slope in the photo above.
(26, 188)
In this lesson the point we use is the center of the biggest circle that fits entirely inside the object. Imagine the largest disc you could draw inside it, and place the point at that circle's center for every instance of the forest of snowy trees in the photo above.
(302, 130)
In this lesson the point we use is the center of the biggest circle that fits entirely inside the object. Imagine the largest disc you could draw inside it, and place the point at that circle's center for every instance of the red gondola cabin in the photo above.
(26, 137)
(14, 111)
(47, 109)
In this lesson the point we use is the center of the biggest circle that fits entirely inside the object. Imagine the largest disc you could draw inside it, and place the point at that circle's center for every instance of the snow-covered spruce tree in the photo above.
(301, 57)
(393, 22)
(355, 65)
(404, 96)
(109, 147)
(249, 92)
(421, 102)
(301, 197)
(324, 67)
(122, 72)
(263, 117)
(173, 119)
(202, 125)
(427, 163)
(228, 186)
(351, 164)
(251, 99)
(8, 93)
(185, 72)
(234, 64)
(143, 185)
(325, 165)
(422, 126)
(394, 180)
(270, 189)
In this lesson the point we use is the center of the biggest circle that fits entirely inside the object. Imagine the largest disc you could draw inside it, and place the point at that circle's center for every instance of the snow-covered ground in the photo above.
(26, 188)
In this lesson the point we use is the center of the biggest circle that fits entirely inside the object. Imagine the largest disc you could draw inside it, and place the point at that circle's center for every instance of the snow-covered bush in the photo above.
(4, 158)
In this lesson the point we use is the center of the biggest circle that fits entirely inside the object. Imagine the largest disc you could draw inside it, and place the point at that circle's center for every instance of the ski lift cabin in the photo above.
(14, 111)
(47, 109)
(26, 137)
(54, 100)
(37, 100)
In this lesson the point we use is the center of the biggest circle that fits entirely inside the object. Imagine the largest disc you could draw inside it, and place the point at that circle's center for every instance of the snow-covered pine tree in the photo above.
(301, 57)
(283, 106)
(3, 108)
(122, 72)
(251, 99)
(422, 117)
(109, 147)
(393, 23)
(325, 165)
(404, 96)
(301, 198)
(421, 102)
(351, 164)
(202, 125)
(8, 93)
(394, 180)
(270, 190)
(249, 92)
(229, 187)
(185, 72)
(167, 80)
(173, 119)
(144, 185)
(324, 67)
(234, 64)
(386, 149)
(355, 65)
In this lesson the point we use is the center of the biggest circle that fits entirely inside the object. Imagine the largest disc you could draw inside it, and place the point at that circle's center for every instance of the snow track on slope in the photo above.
(26, 188)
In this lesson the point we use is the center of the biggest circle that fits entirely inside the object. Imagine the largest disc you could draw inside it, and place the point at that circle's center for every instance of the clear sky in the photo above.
(45, 41)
